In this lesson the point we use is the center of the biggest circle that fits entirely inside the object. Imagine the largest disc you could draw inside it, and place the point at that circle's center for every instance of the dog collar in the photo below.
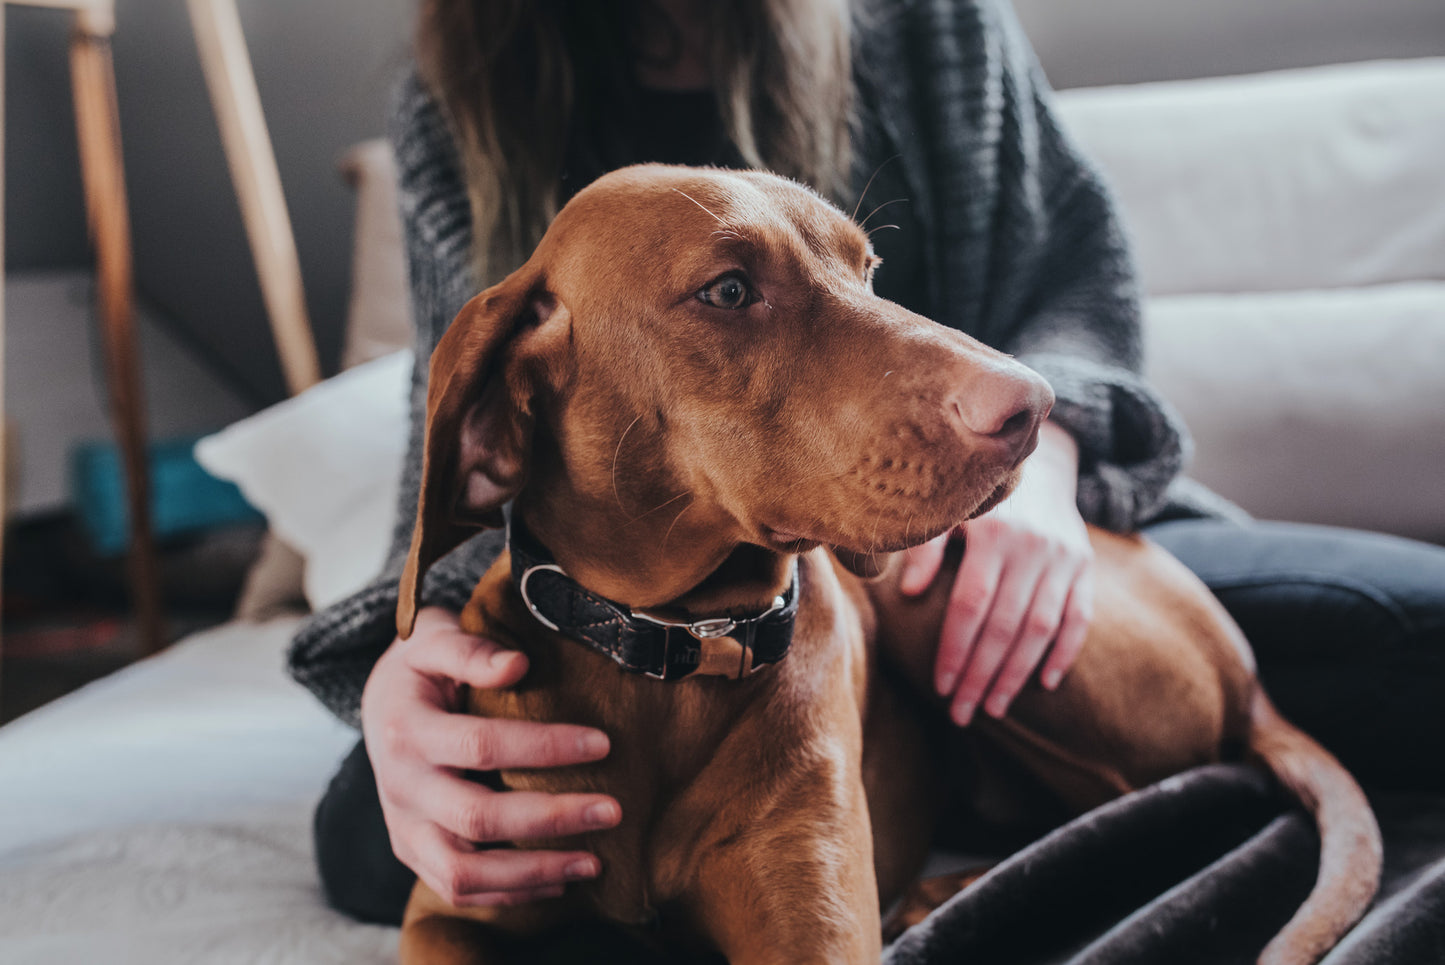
(644, 644)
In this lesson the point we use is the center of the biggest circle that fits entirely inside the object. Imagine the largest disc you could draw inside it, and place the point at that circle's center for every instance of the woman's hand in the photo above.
(419, 744)
(1026, 582)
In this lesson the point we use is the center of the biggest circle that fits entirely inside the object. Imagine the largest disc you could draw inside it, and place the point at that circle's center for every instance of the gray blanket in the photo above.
(1203, 868)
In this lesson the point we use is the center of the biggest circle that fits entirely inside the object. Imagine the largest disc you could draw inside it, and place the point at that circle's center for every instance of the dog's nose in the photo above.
(1003, 406)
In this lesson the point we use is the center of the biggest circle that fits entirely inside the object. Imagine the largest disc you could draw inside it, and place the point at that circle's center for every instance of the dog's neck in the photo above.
(666, 564)
(710, 630)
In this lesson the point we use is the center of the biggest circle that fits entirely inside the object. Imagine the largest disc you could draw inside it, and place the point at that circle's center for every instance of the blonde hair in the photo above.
(503, 73)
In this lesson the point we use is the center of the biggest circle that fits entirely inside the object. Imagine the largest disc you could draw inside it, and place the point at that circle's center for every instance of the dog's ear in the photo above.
(478, 426)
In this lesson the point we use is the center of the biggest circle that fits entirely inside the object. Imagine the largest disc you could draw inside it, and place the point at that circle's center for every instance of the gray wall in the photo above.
(1091, 42)
(324, 67)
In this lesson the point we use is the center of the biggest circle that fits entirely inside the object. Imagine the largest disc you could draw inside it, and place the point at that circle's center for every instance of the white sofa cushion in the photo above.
(1322, 406)
(325, 469)
(1306, 179)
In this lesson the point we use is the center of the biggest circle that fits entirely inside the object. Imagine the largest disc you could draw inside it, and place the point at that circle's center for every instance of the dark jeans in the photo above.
(1348, 629)
(359, 873)
(1349, 632)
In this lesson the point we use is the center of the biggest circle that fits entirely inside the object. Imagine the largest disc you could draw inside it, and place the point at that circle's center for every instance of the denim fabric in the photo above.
(1349, 631)
(359, 873)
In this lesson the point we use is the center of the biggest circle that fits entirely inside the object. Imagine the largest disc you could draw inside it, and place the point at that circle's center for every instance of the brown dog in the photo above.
(691, 393)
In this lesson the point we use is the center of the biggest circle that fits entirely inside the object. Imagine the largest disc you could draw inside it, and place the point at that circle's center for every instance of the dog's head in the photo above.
(693, 360)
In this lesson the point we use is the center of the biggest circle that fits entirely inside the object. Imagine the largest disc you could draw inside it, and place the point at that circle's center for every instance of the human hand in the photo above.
(1026, 581)
(419, 744)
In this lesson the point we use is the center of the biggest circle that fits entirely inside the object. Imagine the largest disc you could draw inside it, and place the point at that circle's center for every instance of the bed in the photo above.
(163, 813)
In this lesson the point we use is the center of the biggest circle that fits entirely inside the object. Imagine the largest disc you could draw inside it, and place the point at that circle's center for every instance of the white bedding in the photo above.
(163, 815)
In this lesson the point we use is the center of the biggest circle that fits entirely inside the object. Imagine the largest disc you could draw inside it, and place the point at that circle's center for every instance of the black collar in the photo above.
(639, 643)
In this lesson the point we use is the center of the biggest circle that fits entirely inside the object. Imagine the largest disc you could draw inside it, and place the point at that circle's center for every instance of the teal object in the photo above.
(184, 497)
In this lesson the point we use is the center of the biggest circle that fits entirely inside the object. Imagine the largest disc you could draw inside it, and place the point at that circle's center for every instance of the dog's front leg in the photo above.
(797, 887)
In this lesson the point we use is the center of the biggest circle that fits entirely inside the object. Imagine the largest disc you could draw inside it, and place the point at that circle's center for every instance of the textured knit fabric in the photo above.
(1200, 869)
(995, 227)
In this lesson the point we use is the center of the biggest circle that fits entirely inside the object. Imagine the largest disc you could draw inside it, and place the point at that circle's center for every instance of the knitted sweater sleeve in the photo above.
(1058, 286)
(334, 651)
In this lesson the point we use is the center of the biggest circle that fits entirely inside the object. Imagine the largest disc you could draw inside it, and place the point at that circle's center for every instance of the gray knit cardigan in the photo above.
(1003, 232)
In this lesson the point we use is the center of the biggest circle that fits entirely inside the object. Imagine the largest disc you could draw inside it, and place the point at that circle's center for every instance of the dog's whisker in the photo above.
(704, 207)
(880, 228)
(873, 540)
(617, 455)
(876, 171)
(885, 204)
(675, 520)
(661, 505)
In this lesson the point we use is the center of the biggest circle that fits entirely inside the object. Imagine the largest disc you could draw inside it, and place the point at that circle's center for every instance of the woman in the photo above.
(932, 120)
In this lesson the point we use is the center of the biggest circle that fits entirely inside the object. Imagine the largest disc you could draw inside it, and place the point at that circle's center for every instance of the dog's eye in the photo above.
(729, 291)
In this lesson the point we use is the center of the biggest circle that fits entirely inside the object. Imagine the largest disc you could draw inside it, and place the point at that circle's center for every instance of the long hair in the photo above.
(506, 74)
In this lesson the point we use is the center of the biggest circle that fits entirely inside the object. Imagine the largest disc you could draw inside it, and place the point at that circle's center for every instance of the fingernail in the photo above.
(1052, 678)
(963, 713)
(592, 745)
(602, 815)
(499, 658)
(944, 683)
(919, 581)
(582, 868)
(997, 705)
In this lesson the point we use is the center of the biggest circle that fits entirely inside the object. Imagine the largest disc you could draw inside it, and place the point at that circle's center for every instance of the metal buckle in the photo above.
(702, 629)
(710, 627)
(666, 650)
(522, 588)
(666, 641)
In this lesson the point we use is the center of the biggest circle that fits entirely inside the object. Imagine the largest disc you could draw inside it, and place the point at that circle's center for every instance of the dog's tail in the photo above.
(1350, 848)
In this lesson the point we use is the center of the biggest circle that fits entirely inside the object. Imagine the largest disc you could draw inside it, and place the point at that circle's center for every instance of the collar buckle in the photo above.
(640, 642)
(702, 629)
(710, 628)
(532, 607)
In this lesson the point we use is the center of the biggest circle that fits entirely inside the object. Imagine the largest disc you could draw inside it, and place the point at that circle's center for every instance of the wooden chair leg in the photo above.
(227, 68)
(98, 127)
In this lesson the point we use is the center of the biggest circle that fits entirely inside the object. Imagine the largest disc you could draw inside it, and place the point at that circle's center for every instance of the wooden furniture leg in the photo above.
(98, 129)
(237, 104)
(232, 84)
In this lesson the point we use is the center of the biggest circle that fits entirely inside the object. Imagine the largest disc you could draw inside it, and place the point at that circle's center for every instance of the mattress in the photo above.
(162, 814)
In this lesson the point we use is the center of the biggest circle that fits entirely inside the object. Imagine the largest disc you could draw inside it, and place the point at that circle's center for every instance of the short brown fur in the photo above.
(676, 454)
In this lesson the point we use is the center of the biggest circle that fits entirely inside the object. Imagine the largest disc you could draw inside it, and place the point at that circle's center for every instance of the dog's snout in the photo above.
(1003, 407)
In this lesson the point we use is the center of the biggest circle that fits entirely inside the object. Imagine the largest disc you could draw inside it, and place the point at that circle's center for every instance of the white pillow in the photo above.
(1323, 407)
(1329, 177)
(325, 468)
